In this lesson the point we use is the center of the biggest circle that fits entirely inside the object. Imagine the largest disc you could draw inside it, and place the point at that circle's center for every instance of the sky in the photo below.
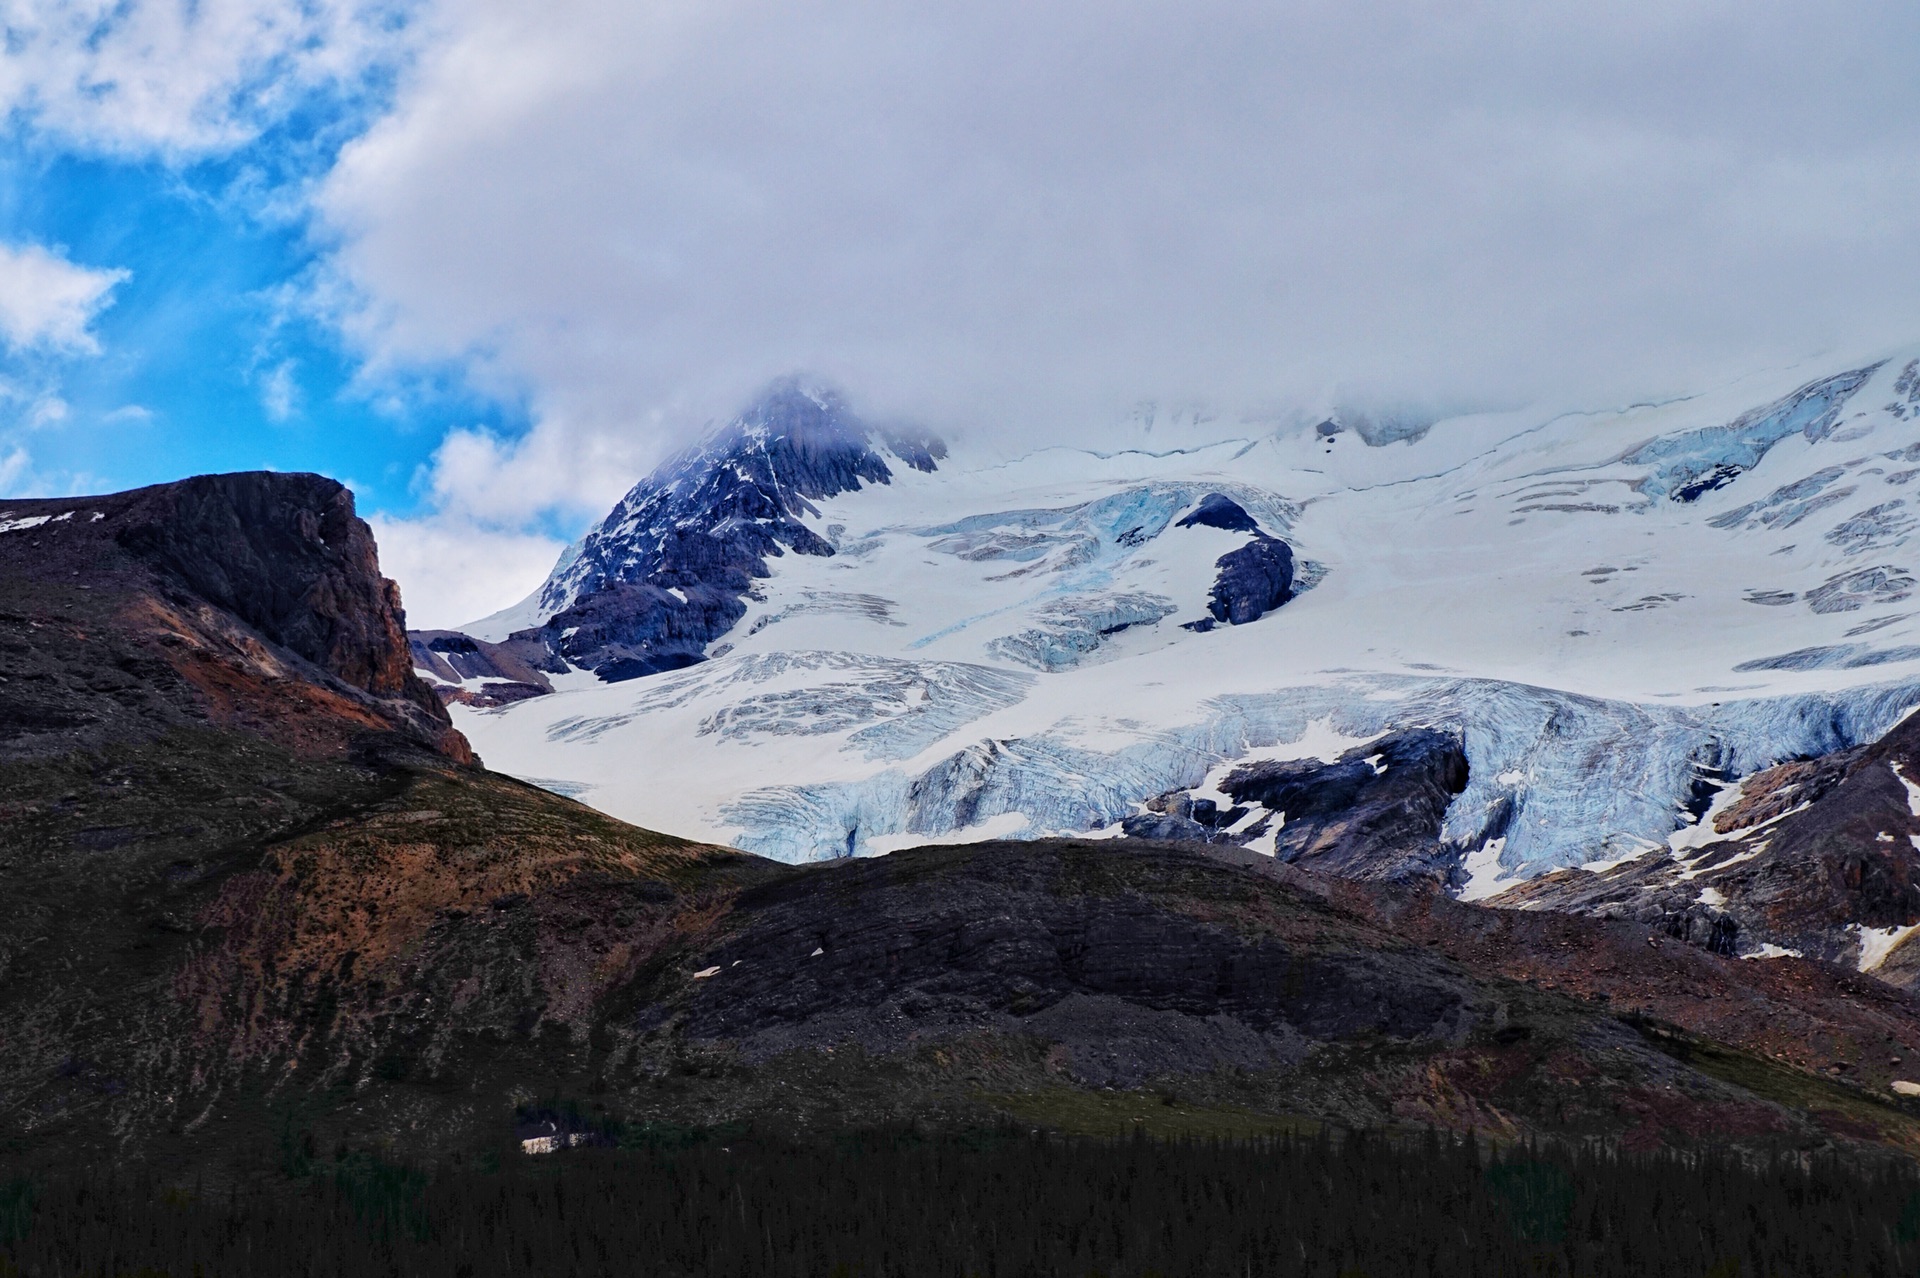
(489, 262)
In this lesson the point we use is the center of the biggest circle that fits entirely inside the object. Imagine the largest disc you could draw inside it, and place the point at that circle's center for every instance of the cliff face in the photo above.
(287, 555)
(249, 600)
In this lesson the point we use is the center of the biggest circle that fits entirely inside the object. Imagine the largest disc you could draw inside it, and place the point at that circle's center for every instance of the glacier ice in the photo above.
(1579, 796)
(1070, 629)
(1682, 460)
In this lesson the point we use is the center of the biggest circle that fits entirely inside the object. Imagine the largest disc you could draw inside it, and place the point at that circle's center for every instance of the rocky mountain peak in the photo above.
(667, 571)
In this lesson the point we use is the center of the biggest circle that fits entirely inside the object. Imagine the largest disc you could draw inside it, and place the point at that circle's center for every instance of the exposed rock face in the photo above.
(668, 570)
(1374, 813)
(1817, 858)
(1253, 580)
(286, 555)
(453, 663)
(224, 597)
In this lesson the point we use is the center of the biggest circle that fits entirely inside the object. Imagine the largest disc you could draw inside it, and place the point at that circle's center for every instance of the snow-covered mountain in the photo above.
(808, 637)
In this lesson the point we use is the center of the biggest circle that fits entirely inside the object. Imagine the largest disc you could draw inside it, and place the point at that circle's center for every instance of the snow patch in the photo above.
(1913, 791)
(1485, 876)
(1876, 943)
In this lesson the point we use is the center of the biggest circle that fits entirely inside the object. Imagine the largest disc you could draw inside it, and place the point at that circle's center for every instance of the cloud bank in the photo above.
(1039, 214)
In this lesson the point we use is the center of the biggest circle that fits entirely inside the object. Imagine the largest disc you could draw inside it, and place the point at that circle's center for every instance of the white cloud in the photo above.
(180, 76)
(280, 392)
(481, 476)
(48, 302)
(16, 471)
(452, 571)
(1037, 214)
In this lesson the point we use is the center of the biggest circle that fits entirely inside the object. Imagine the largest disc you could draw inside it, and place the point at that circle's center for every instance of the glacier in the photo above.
(1616, 611)
(1550, 771)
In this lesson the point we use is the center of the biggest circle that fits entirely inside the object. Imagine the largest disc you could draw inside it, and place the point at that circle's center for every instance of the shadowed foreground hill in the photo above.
(266, 915)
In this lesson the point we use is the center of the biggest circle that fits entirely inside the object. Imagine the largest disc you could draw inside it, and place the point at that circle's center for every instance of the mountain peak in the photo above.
(666, 572)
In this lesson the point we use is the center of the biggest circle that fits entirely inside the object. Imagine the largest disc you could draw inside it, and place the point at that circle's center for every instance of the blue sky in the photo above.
(213, 352)
(490, 262)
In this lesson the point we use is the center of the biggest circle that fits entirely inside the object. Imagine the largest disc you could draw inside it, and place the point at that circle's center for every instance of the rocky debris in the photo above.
(223, 597)
(1177, 816)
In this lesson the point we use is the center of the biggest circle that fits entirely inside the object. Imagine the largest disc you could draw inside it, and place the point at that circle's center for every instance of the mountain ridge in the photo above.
(273, 931)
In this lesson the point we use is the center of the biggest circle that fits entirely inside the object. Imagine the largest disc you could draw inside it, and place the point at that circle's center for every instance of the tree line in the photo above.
(997, 1203)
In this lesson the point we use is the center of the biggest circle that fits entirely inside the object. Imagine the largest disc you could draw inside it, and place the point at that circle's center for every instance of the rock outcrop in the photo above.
(221, 598)
(1217, 510)
(473, 672)
(1251, 581)
(1813, 857)
(1375, 813)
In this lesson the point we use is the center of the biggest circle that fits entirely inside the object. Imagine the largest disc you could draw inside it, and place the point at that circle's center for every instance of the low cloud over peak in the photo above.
(1049, 213)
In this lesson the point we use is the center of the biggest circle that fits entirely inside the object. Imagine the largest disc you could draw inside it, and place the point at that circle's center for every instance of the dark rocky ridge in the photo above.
(1072, 942)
